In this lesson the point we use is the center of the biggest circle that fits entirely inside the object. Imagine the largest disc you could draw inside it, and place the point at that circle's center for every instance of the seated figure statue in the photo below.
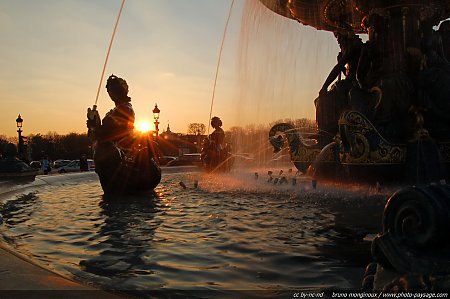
(330, 104)
(10, 163)
(444, 32)
(122, 165)
(434, 80)
(384, 92)
(215, 152)
(113, 135)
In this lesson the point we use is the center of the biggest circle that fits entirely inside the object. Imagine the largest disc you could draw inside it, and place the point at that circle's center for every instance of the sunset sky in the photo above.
(53, 51)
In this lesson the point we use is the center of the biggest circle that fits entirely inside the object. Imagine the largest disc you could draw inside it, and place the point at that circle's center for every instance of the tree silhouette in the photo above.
(196, 129)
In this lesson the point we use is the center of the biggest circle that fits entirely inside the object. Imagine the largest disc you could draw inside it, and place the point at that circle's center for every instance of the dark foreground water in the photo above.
(233, 232)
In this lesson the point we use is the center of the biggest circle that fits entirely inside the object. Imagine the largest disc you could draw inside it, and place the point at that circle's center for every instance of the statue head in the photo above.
(344, 38)
(216, 122)
(373, 24)
(117, 89)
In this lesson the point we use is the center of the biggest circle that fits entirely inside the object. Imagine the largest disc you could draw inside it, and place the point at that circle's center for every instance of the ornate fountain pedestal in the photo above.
(411, 253)
(214, 159)
(395, 128)
(14, 170)
(395, 122)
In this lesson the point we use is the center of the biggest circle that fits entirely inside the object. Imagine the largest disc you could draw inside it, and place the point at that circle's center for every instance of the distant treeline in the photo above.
(251, 139)
(71, 146)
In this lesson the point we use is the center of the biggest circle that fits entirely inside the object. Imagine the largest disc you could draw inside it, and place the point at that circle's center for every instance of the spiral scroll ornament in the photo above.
(419, 217)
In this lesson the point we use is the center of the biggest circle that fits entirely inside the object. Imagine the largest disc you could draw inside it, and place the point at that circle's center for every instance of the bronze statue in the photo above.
(444, 31)
(215, 152)
(118, 124)
(217, 137)
(396, 130)
(330, 104)
(347, 59)
(123, 163)
(13, 169)
(433, 82)
(390, 117)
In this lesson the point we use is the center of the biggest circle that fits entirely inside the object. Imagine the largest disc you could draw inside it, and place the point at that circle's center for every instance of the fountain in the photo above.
(214, 235)
(14, 170)
(207, 235)
(389, 121)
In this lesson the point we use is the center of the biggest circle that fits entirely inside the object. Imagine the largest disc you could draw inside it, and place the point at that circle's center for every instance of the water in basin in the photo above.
(232, 232)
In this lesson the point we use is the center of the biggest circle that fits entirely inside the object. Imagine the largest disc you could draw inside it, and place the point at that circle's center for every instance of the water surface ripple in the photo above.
(231, 233)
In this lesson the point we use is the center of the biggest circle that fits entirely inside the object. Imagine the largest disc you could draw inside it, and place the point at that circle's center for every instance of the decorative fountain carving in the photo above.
(335, 15)
(396, 110)
(300, 151)
(367, 145)
(412, 251)
(396, 125)
(13, 169)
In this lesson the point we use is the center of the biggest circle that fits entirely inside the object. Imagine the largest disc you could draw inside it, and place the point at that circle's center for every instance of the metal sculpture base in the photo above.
(214, 159)
(397, 91)
(412, 251)
(397, 129)
(361, 152)
(121, 174)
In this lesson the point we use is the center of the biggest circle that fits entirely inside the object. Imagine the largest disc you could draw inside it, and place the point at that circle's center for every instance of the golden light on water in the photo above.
(144, 126)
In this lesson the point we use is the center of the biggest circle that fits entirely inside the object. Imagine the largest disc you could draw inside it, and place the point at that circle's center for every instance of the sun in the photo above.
(143, 126)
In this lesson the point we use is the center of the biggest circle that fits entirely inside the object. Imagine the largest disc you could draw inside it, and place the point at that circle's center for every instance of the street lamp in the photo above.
(156, 112)
(19, 122)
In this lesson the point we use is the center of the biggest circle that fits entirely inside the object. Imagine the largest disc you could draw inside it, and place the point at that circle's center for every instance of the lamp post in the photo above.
(19, 122)
(156, 112)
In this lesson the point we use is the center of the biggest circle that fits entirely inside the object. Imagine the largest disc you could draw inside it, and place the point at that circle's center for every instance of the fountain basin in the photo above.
(347, 15)
(230, 232)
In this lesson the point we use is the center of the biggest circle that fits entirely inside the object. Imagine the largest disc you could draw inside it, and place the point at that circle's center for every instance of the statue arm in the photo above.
(440, 48)
(363, 67)
(339, 67)
(93, 123)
